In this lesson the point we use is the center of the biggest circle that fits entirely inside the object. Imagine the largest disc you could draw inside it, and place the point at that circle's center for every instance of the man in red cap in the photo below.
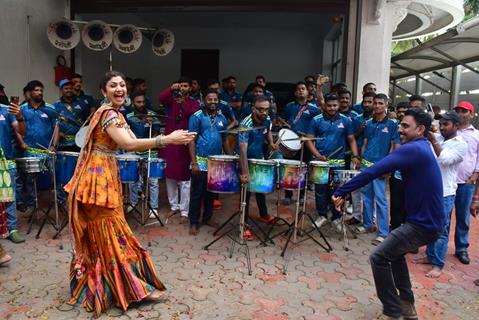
(467, 174)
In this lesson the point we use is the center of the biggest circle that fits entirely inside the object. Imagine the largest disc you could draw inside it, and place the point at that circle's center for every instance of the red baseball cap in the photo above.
(465, 105)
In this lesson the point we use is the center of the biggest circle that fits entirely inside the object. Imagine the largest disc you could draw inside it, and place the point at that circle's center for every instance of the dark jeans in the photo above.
(397, 207)
(260, 201)
(322, 196)
(389, 265)
(198, 194)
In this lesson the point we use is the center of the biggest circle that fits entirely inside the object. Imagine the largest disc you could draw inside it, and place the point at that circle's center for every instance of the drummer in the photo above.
(251, 147)
(141, 120)
(297, 116)
(40, 118)
(207, 123)
(257, 91)
(11, 120)
(73, 114)
(333, 130)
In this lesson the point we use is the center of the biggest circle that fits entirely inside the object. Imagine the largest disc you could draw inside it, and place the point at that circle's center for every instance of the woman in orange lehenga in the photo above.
(109, 264)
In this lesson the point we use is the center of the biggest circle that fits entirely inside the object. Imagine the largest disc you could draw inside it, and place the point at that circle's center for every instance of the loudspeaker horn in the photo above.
(63, 34)
(97, 35)
(127, 38)
(163, 42)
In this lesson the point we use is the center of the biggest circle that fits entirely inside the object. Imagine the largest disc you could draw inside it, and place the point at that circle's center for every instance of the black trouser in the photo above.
(398, 210)
(199, 193)
(260, 201)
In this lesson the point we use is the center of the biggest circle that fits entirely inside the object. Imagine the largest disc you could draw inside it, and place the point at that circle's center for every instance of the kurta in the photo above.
(109, 265)
(177, 157)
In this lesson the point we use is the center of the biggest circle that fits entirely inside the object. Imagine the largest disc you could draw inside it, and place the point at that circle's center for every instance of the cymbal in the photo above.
(301, 139)
(242, 129)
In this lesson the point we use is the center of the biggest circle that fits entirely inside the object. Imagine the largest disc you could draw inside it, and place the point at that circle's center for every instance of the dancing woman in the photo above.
(109, 264)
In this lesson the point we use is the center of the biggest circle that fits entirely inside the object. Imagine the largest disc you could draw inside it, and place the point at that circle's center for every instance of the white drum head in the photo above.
(287, 134)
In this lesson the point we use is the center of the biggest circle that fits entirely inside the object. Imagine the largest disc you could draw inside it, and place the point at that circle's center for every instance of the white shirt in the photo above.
(453, 153)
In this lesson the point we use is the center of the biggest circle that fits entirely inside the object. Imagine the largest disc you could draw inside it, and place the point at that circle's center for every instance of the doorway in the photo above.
(200, 64)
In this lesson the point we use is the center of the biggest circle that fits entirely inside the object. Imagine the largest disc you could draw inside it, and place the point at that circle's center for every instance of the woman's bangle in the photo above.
(159, 141)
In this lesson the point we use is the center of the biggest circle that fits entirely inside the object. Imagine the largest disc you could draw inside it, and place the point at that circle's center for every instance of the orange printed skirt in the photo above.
(115, 268)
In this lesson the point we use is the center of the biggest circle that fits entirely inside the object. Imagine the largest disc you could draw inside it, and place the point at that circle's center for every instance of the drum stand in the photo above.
(300, 215)
(240, 227)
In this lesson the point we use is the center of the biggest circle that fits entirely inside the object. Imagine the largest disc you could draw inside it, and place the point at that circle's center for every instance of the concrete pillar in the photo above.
(418, 88)
(379, 20)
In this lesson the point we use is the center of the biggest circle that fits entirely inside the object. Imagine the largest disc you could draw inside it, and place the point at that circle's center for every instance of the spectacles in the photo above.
(461, 110)
(263, 110)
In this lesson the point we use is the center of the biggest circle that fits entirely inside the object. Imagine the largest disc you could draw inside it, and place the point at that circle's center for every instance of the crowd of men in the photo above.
(347, 136)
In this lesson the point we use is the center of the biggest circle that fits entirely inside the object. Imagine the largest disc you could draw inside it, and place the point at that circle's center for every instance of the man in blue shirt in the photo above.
(141, 120)
(367, 88)
(257, 91)
(40, 119)
(73, 114)
(230, 95)
(223, 106)
(11, 122)
(334, 131)
(88, 101)
(425, 217)
(195, 92)
(261, 80)
(251, 147)
(380, 136)
(208, 123)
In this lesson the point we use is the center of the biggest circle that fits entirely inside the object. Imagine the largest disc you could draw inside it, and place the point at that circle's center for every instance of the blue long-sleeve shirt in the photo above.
(422, 182)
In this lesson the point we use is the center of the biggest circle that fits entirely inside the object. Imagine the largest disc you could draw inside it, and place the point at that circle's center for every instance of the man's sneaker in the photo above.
(15, 237)
(217, 204)
(338, 226)
(408, 310)
(362, 229)
(377, 241)
(320, 222)
(153, 213)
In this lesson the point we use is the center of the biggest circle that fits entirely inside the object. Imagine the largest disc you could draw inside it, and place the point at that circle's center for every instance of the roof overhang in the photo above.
(458, 46)
(425, 17)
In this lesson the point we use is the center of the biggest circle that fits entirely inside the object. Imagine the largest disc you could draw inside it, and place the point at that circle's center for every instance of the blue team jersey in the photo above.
(358, 108)
(254, 138)
(351, 114)
(87, 100)
(209, 139)
(249, 96)
(40, 123)
(356, 124)
(332, 134)
(379, 135)
(234, 97)
(6, 131)
(303, 123)
(140, 127)
(76, 112)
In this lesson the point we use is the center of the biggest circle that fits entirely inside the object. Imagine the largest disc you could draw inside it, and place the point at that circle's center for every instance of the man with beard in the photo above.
(425, 218)
(260, 80)
(140, 87)
(141, 120)
(195, 93)
(87, 100)
(467, 175)
(179, 108)
(230, 95)
(367, 88)
(257, 91)
(40, 118)
(450, 150)
(333, 130)
(380, 136)
(297, 116)
(11, 121)
(223, 106)
(251, 147)
(73, 113)
(207, 123)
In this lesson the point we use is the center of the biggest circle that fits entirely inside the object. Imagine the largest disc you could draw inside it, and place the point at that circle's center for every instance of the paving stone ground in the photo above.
(210, 285)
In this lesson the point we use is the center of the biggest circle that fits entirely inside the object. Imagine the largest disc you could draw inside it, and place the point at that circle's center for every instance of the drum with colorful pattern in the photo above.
(291, 174)
(319, 172)
(261, 175)
(223, 174)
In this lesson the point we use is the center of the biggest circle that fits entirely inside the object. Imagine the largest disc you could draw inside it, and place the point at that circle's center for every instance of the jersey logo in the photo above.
(2, 117)
(341, 125)
(220, 123)
(306, 111)
(44, 115)
(385, 130)
(78, 107)
(265, 131)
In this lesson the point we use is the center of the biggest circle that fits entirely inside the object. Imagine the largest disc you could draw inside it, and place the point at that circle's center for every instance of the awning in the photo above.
(458, 46)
